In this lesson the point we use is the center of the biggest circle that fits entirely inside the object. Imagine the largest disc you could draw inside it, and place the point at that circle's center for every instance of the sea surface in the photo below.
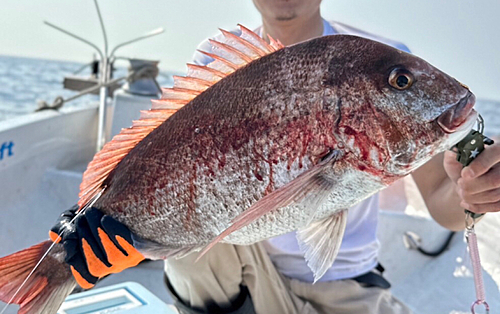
(25, 81)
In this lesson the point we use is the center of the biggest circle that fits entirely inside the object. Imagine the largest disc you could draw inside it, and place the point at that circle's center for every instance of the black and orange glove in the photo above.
(96, 245)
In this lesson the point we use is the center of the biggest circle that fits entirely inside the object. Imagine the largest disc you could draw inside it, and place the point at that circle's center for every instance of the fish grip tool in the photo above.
(467, 150)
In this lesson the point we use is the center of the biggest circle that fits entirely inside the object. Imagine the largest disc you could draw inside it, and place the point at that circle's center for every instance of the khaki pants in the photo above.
(217, 277)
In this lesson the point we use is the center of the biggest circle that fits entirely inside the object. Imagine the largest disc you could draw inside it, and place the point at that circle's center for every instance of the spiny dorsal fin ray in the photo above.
(190, 83)
(230, 53)
(229, 50)
(243, 45)
(224, 62)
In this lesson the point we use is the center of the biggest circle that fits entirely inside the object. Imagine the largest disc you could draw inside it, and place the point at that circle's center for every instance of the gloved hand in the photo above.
(96, 245)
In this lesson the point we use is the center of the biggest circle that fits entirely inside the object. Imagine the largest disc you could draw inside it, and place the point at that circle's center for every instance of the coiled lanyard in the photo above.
(467, 150)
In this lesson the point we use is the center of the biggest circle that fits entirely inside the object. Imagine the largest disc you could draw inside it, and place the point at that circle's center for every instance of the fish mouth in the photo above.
(454, 117)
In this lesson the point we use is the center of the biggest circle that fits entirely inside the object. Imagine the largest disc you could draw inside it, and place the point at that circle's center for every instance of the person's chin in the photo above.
(286, 17)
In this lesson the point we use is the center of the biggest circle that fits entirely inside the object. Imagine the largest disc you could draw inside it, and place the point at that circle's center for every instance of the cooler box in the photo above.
(126, 298)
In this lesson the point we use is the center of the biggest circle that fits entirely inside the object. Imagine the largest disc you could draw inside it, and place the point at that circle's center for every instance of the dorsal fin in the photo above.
(230, 53)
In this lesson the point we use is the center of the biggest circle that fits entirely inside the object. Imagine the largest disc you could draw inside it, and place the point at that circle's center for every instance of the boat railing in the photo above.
(106, 61)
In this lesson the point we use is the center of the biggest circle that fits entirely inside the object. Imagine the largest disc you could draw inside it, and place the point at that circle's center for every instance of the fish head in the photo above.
(397, 110)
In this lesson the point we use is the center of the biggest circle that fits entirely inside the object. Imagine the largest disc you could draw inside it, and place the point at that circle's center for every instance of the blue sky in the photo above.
(458, 36)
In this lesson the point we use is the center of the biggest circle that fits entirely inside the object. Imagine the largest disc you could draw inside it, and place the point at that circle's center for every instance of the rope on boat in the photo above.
(412, 241)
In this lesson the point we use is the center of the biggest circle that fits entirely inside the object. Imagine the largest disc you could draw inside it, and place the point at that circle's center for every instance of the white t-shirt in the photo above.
(359, 249)
(329, 28)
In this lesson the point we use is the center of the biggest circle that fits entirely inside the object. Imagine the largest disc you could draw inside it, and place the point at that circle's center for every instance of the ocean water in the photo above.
(25, 81)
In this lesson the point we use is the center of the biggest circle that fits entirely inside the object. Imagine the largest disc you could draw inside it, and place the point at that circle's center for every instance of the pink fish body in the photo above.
(265, 140)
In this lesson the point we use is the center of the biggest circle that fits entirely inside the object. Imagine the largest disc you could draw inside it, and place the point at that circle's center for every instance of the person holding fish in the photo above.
(219, 282)
(286, 141)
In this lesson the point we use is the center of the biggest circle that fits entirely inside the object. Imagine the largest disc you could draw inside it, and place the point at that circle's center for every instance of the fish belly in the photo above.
(352, 187)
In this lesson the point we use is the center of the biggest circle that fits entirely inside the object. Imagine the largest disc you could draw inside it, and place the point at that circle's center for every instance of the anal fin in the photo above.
(320, 242)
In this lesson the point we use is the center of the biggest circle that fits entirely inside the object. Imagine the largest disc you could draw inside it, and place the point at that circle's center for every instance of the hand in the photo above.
(96, 245)
(478, 185)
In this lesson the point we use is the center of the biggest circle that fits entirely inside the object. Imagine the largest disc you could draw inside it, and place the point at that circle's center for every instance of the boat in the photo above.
(44, 154)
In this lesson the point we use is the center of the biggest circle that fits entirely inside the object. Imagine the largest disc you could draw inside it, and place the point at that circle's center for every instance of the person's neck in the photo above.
(293, 31)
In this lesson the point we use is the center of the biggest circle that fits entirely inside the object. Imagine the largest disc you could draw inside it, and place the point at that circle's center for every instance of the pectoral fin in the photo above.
(320, 242)
(310, 190)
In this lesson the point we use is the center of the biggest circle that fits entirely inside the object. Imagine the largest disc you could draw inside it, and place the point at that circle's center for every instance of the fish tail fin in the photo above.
(46, 288)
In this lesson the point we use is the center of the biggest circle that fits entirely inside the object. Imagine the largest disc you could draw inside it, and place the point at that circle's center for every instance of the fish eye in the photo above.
(400, 79)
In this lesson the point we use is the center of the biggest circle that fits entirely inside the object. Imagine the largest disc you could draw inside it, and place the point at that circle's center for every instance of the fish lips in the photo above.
(454, 117)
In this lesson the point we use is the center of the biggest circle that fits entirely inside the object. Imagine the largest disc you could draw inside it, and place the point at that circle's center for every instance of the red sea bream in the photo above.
(263, 141)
